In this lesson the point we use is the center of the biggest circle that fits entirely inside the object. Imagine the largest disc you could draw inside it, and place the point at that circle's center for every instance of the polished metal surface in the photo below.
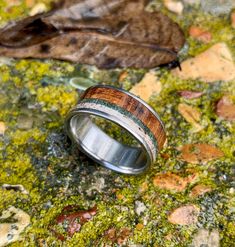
(103, 149)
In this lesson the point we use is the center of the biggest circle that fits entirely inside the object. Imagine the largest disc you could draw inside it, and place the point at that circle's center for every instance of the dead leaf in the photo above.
(191, 115)
(200, 34)
(225, 108)
(185, 215)
(190, 94)
(199, 190)
(107, 36)
(200, 153)
(173, 182)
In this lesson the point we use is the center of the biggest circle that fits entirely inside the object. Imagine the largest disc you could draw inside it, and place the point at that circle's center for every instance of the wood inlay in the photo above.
(131, 105)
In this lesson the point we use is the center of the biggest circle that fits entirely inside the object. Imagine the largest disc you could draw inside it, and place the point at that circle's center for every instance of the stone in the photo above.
(192, 2)
(233, 19)
(139, 207)
(16, 187)
(81, 83)
(217, 7)
(173, 182)
(200, 153)
(174, 6)
(185, 215)
(225, 108)
(147, 87)
(219, 57)
(38, 9)
(206, 238)
(191, 115)
(2, 128)
(200, 34)
(25, 122)
(199, 190)
(10, 232)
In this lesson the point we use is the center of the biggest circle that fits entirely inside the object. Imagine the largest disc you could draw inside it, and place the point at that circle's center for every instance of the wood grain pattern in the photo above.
(132, 105)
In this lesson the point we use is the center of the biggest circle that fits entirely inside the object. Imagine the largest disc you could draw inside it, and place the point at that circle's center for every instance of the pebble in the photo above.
(25, 122)
(225, 108)
(199, 190)
(206, 238)
(16, 187)
(10, 232)
(221, 66)
(200, 153)
(217, 7)
(233, 19)
(173, 182)
(174, 6)
(191, 115)
(139, 207)
(38, 9)
(2, 128)
(147, 87)
(185, 215)
(200, 34)
(81, 83)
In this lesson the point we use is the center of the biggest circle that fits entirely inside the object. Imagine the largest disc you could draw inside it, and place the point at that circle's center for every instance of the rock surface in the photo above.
(217, 7)
(221, 66)
(174, 6)
(147, 87)
(206, 238)
(185, 215)
(10, 232)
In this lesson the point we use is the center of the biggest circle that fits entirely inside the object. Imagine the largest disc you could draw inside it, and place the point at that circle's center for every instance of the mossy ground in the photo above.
(56, 174)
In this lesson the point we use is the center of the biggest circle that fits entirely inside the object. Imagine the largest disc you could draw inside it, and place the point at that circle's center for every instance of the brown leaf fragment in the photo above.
(185, 215)
(200, 34)
(187, 94)
(173, 182)
(200, 153)
(191, 115)
(233, 19)
(96, 32)
(225, 108)
(199, 190)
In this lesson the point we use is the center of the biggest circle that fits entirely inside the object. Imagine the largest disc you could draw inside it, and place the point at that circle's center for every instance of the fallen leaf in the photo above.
(185, 215)
(199, 190)
(173, 182)
(101, 33)
(147, 87)
(191, 115)
(200, 34)
(74, 220)
(190, 94)
(225, 108)
(233, 19)
(200, 153)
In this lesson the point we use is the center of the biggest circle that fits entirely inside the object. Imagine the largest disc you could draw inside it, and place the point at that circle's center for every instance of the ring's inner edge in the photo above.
(104, 149)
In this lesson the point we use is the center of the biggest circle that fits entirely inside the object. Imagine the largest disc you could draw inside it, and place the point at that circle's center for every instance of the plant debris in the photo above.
(90, 32)
(225, 108)
(187, 94)
(200, 153)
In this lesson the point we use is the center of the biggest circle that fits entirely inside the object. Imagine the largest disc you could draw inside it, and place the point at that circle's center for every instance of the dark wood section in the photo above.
(131, 105)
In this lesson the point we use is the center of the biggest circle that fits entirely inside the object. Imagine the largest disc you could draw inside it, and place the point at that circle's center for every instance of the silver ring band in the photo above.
(125, 110)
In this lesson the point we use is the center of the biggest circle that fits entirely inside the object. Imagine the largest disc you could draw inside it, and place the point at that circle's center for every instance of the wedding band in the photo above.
(130, 113)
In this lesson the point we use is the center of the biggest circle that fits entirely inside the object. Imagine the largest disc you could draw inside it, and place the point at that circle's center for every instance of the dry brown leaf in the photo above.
(173, 182)
(190, 94)
(199, 190)
(225, 108)
(185, 215)
(200, 34)
(191, 115)
(200, 153)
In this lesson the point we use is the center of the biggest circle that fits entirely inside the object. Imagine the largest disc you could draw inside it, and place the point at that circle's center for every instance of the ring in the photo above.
(125, 110)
